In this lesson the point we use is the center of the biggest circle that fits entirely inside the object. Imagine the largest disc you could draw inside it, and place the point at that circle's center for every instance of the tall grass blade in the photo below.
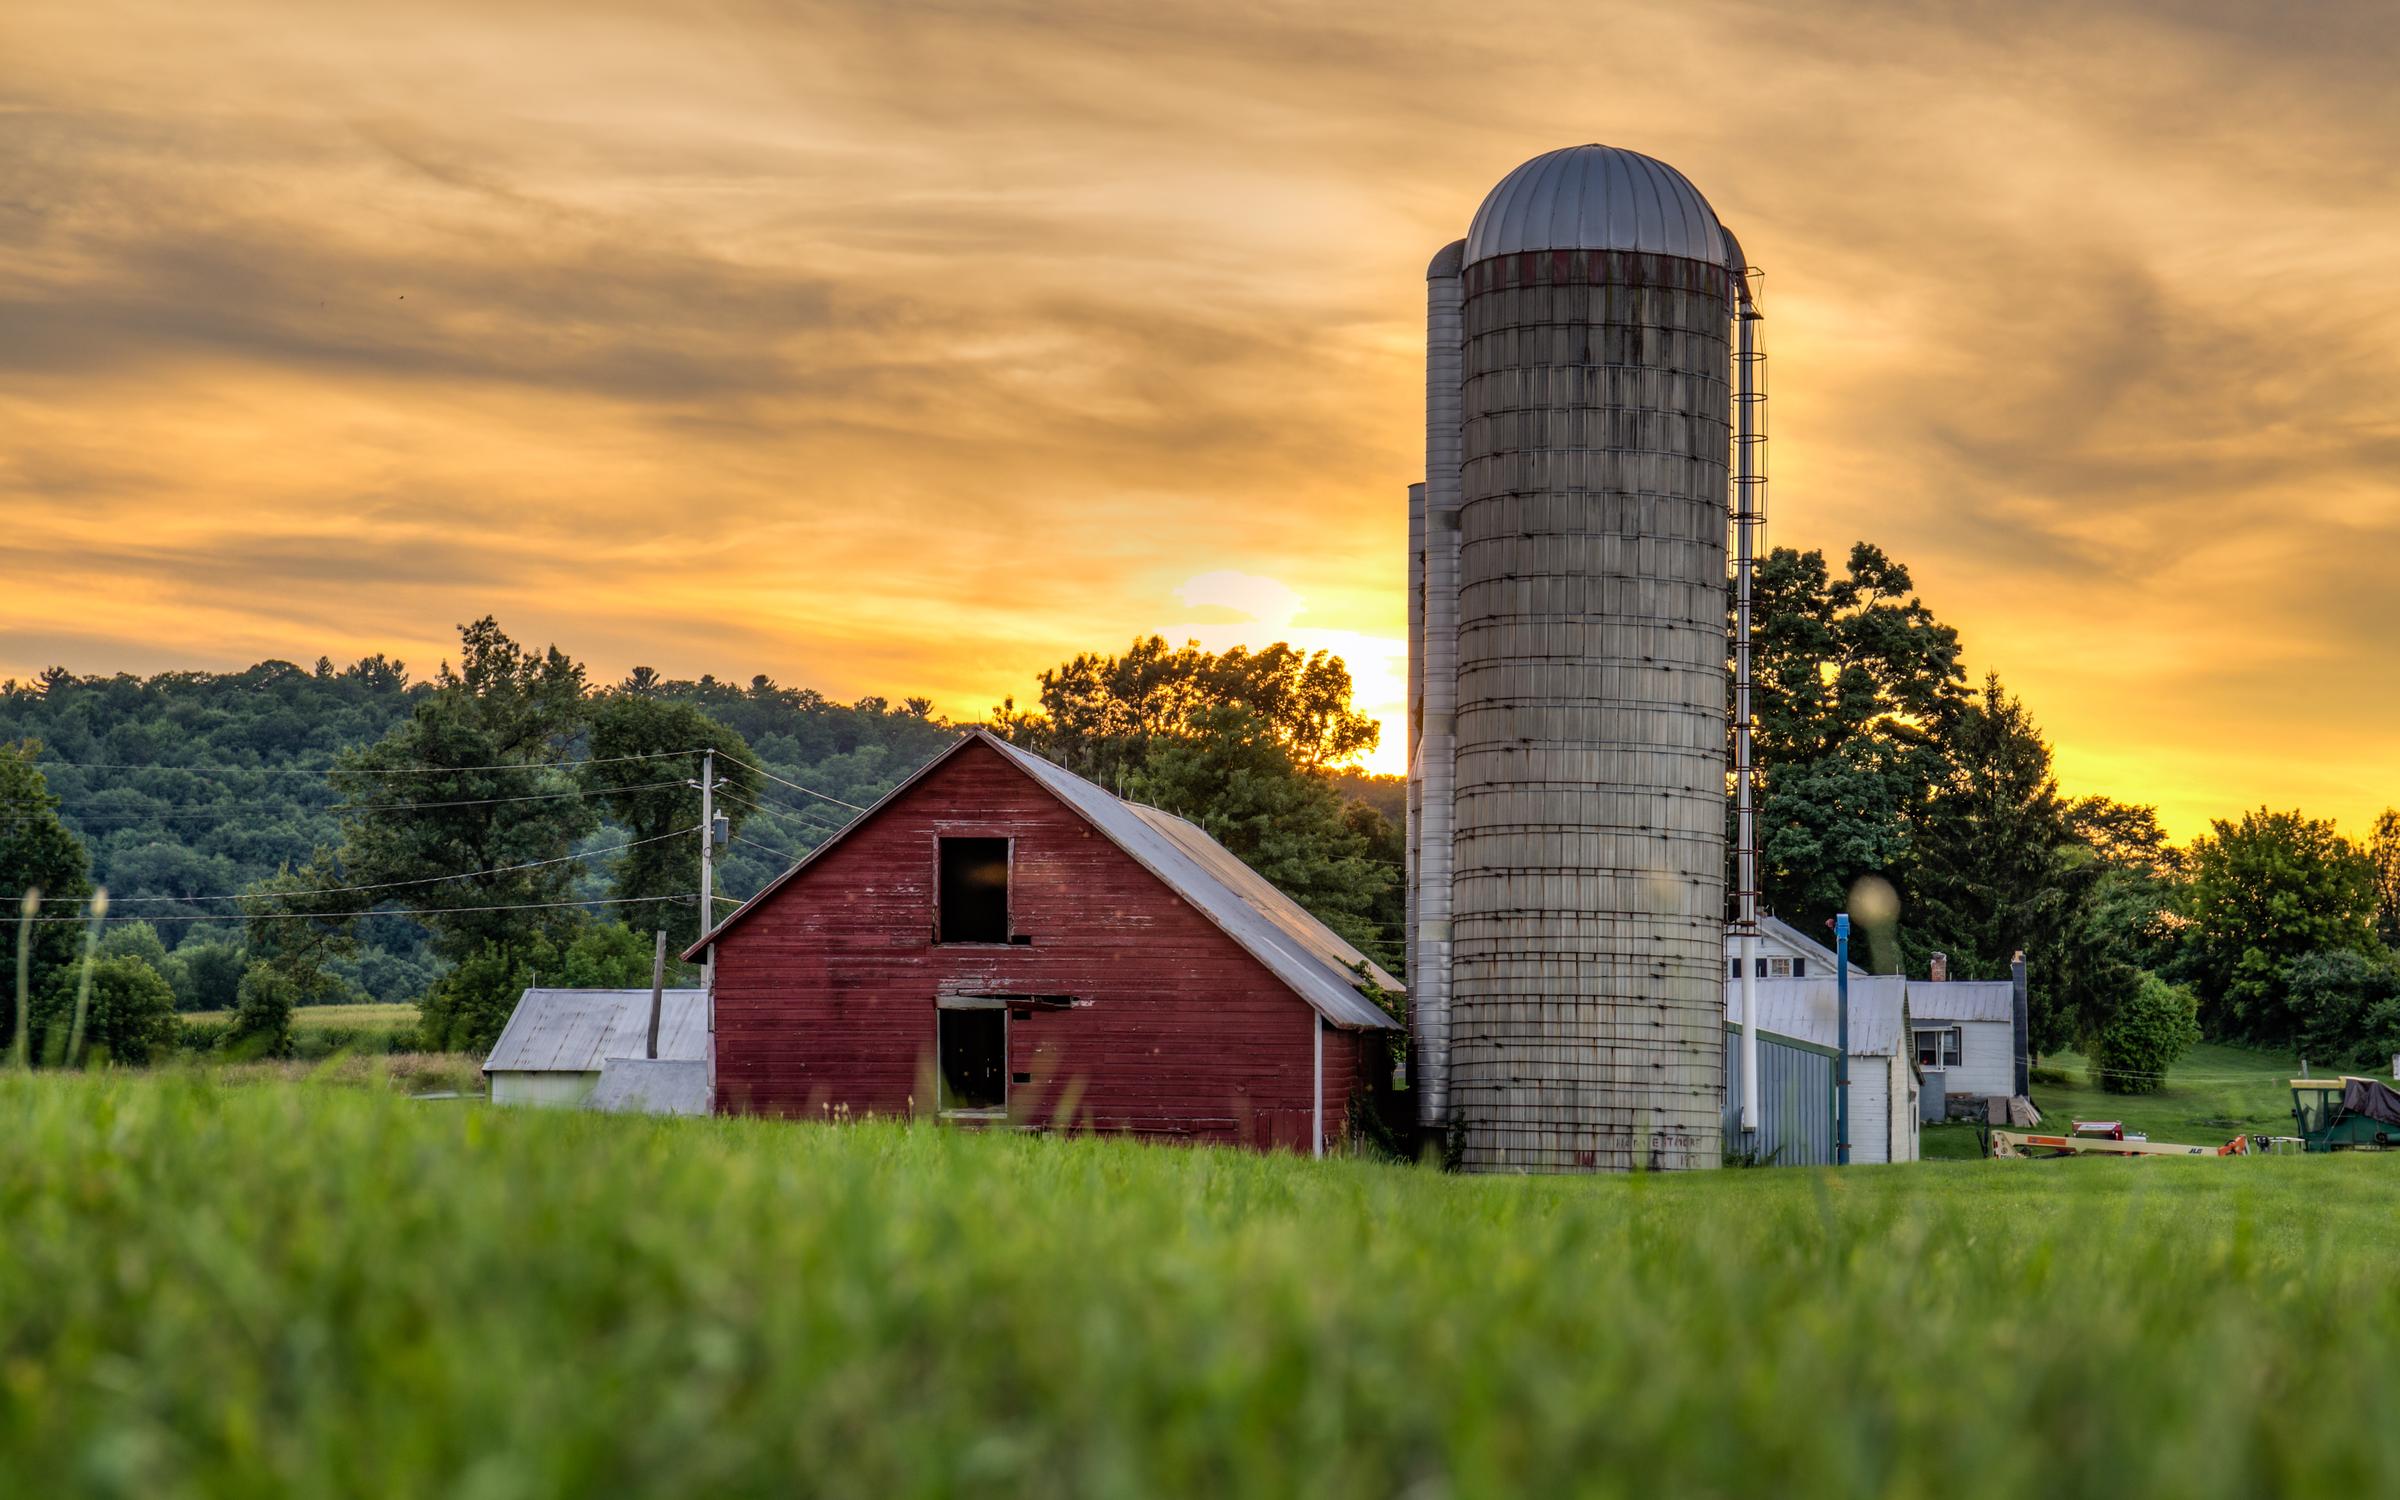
(83, 985)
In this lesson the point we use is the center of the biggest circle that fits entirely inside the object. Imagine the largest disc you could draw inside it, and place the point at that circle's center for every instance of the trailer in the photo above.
(2346, 1114)
(2017, 1144)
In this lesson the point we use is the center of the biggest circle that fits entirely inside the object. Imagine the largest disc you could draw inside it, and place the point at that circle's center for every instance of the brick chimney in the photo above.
(1940, 970)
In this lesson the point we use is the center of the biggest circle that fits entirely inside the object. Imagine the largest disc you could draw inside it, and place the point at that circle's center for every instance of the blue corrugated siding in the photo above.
(1795, 1101)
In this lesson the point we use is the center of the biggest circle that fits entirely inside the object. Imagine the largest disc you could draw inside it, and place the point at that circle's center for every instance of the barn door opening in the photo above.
(973, 1048)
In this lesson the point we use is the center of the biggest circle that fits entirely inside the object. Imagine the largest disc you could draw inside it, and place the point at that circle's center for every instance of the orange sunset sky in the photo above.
(910, 348)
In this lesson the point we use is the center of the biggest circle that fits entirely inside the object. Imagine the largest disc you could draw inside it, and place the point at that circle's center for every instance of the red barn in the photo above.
(1003, 941)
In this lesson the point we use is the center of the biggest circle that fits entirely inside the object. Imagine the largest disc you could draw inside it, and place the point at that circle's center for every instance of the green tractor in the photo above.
(2346, 1114)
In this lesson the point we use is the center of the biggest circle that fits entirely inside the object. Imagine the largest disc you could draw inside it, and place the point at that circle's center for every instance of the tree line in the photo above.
(1879, 760)
(453, 840)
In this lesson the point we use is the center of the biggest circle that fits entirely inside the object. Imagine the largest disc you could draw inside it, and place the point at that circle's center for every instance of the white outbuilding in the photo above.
(555, 1045)
(1883, 1078)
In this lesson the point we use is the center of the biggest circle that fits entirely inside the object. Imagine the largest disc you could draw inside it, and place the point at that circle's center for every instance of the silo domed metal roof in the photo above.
(1596, 198)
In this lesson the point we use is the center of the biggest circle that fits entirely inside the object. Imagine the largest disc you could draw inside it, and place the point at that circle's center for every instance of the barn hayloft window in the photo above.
(974, 891)
(974, 1054)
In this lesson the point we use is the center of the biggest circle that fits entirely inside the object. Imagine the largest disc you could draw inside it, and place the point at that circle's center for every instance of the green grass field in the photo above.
(2214, 1094)
(219, 1290)
(333, 1017)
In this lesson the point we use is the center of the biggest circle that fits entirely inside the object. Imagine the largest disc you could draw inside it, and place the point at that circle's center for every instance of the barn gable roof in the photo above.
(574, 1031)
(1309, 957)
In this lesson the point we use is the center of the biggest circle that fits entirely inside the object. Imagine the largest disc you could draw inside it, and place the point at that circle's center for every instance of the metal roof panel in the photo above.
(574, 1031)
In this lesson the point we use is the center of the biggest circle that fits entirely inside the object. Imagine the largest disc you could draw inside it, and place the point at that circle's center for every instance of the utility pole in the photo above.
(658, 991)
(1841, 1063)
(708, 867)
(710, 837)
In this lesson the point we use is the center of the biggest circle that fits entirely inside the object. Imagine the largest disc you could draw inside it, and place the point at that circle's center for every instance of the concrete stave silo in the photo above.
(1580, 1012)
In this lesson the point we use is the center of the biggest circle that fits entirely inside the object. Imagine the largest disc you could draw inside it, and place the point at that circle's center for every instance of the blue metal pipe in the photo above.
(1841, 1063)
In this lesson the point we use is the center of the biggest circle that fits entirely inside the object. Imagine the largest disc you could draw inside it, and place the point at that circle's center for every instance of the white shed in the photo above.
(556, 1040)
(1882, 1075)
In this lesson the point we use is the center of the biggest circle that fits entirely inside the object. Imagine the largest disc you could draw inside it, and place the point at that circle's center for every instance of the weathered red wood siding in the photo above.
(826, 992)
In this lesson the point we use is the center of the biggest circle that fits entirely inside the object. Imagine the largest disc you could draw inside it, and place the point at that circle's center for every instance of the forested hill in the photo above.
(187, 787)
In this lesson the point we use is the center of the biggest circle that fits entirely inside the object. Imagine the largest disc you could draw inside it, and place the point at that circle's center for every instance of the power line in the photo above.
(786, 809)
(794, 785)
(433, 911)
(210, 771)
(219, 811)
(764, 849)
(385, 885)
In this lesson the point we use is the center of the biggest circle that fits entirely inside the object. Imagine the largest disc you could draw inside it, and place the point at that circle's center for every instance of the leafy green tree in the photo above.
(2154, 1028)
(1986, 878)
(661, 870)
(2120, 880)
(262, 1013)
(1857, 684)
(469, 1005)
(141, 940)
(41, 858)
(2000, 867)
(2264, 891)
(476, 780)
(2383, 847)
(129, 1018)
(2347, 1004)
(607, 956)
(1100, 714)
(1241, 743)
(298, 926)
(208, 975)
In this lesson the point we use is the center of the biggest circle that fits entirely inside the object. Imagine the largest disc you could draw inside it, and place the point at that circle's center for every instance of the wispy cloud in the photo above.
(910, 348)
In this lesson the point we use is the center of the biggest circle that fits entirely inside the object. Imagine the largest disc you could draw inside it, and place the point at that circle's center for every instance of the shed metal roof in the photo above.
(1303, 952)
(1963, 1000)
(574, 1031)
(1808, 1010)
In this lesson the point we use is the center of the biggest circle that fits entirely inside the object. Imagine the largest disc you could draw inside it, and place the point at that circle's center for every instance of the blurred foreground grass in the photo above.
(322, 1291)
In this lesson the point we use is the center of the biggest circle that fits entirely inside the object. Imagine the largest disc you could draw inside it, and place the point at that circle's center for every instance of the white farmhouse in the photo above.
(1964, 1034)
(1785, 952)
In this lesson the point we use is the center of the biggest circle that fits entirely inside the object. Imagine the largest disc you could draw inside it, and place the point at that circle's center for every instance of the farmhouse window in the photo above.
(1940, 1050)
(974, 891)
(974, 1055)
(1779, 968)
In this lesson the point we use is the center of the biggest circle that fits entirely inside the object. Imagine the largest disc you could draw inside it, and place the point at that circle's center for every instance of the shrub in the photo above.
(467, 1007)
(262, 1022)
(2346, 1004)
(208, 975)
(129, 1019)
(2155, 1026)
